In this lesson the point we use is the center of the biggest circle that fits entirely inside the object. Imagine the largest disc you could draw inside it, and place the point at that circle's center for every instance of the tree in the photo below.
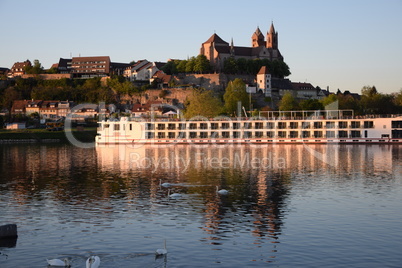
(169, 68)
(235, 92)
(288, 102)
(190, 65)
(202, 64)
(181, 66)
(203, 103)
(230, 66)
(311, 104)
(373, 102)
(36, 68)
(348, 102)
(329, 100)
(398, 101)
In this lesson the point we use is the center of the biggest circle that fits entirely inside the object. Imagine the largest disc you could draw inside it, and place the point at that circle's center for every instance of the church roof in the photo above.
(272, 29)
(259, 33)
(216, 39)
(240, 51)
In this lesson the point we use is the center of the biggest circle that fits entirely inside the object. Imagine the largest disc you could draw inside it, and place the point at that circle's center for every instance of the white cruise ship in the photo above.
(335, 126)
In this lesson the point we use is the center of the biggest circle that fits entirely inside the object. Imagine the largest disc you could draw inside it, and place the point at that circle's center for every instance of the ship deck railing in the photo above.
(260, 118)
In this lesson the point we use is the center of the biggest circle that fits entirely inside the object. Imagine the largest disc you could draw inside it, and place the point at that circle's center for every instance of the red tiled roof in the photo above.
(263, 70)
(216, 39)
(302, 86)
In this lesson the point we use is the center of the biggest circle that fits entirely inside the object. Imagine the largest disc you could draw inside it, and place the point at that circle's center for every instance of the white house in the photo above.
(264, 81)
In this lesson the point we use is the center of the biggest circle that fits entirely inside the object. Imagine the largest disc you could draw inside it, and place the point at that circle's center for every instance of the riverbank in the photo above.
(44, 136)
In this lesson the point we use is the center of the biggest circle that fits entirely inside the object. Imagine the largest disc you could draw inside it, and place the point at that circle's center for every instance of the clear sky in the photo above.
(343, 44)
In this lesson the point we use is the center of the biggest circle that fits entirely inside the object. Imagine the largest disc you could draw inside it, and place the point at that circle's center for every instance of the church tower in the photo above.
(257, 40)
(272, 38)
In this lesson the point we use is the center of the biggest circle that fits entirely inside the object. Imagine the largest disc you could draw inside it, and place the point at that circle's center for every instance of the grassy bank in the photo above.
(42, 135)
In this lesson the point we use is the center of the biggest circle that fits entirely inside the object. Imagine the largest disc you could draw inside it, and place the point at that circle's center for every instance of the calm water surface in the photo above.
(288, 205)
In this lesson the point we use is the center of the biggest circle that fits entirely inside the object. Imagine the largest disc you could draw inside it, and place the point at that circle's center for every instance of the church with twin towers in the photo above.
(217, 50)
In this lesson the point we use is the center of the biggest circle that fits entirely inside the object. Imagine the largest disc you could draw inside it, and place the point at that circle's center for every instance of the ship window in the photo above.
(248, 125)
(306, 125)
(355, 134)
(270, 134)
(214, 125)
(355, 124)
(204, 135)
(330, 125)
(116, 127)
(106, 126)
(270, 125)
(258, 134)
(281, 125)
(306, 134)
(193, 135)
(259, 125)
(225, 125)
(171, 135)
(396, 124)
(161, 135)
(281, 134)
(236, 125)
(203, 126)
(317, 134)
(214, 135)
(343, 124)
(397, 134)
(182, 135)
(225, 134)
(131, 126)
(247, 134)
(236, 134)
(293, 134)
(368, 124)
(343, 134)
(317, 124)
(294, 125)
(330, 134)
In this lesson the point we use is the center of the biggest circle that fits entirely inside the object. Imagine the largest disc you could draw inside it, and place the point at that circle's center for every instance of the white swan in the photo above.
(57, 262)
(174, 195)
(161, 251)
(93, 262)
(165, 184)
(221, 191)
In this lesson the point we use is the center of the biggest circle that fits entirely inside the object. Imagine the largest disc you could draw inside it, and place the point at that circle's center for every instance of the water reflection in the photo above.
(59, 188)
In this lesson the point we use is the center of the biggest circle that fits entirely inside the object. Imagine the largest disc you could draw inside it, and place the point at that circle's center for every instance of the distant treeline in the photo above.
(201, 64)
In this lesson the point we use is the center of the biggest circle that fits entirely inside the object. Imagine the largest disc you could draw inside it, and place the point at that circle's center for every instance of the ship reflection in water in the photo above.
(287, 204)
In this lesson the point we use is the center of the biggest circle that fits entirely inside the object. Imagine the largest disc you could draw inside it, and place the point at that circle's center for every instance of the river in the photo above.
(288, 205)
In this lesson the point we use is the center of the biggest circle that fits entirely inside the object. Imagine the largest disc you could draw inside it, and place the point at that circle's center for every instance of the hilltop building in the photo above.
(143, 70)
(18, 68)
(217, 50)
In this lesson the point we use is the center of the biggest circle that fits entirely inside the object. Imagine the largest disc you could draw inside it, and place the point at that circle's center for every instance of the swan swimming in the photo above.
(221, 191)
(93, 262)
(57, 262)
(174, 195)
(165, 184)
(161, 251)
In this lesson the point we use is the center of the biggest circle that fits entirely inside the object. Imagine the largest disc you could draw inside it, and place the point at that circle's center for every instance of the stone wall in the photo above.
(46, 76)
(216, 82)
